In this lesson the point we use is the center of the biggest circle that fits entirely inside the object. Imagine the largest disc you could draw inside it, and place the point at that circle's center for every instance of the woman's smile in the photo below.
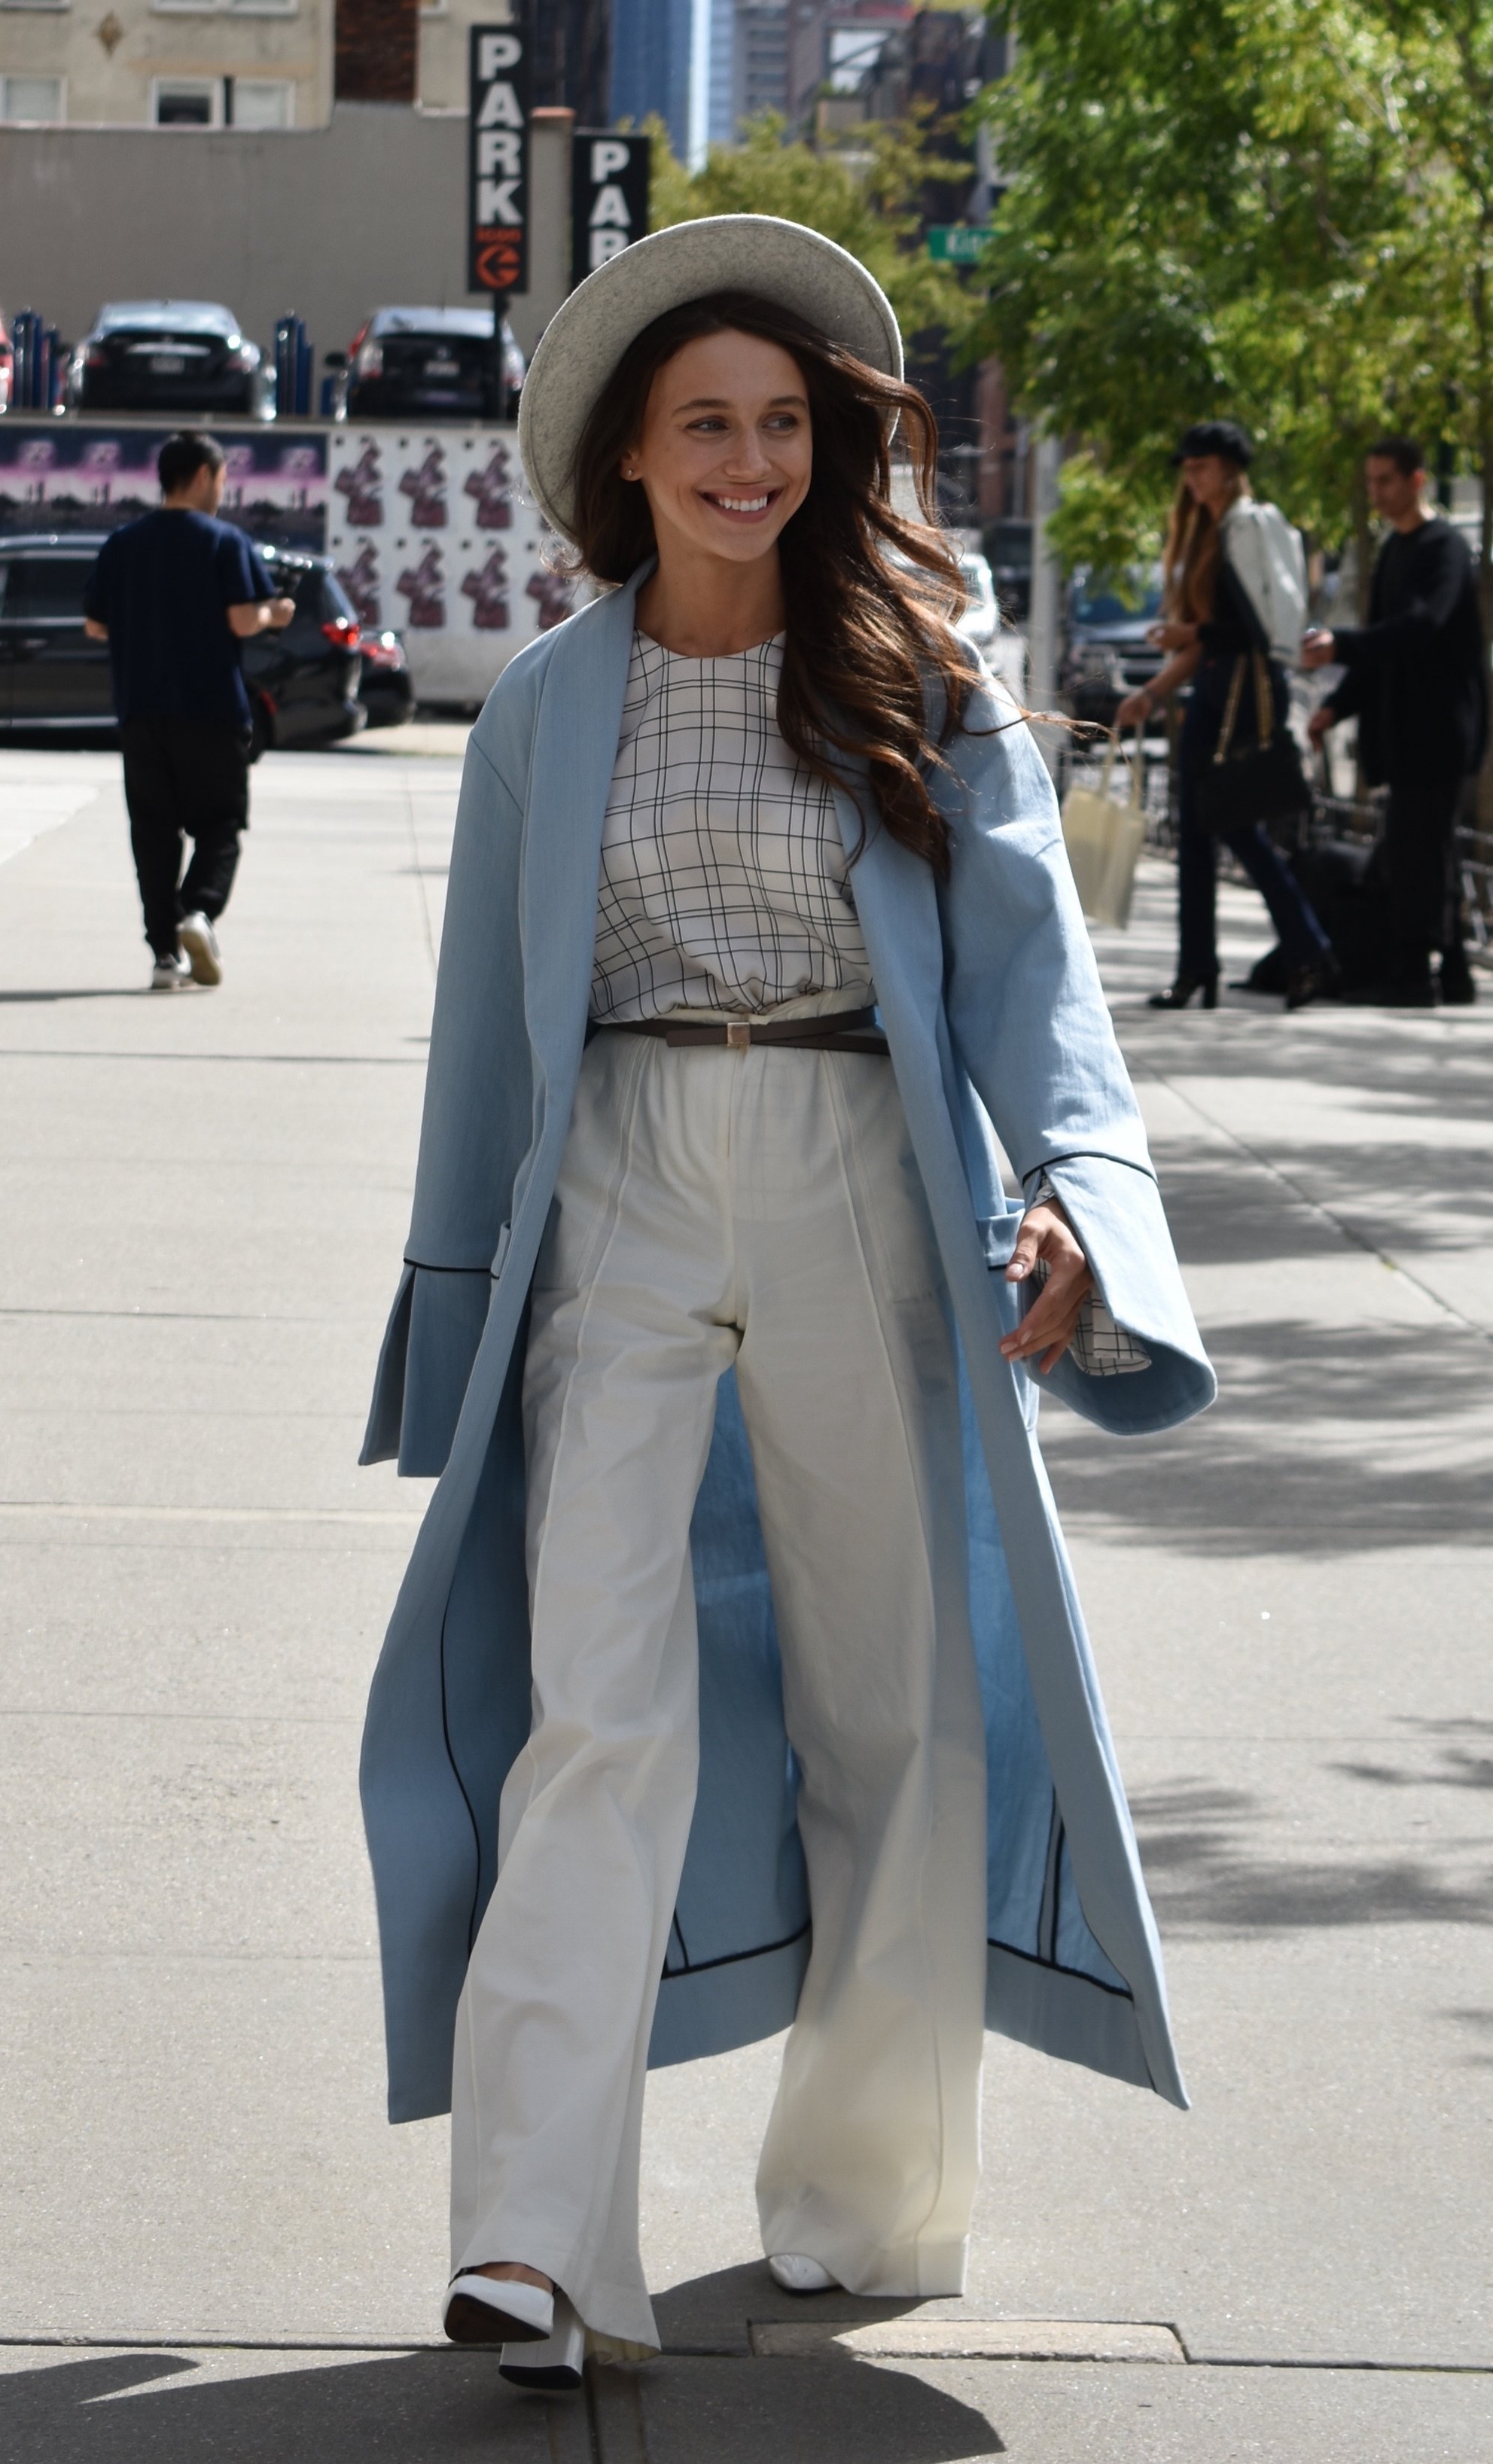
(740, 507)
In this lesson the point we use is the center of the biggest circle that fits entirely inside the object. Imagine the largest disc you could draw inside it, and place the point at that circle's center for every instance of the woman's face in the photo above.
(1210, 478)
(726, 453)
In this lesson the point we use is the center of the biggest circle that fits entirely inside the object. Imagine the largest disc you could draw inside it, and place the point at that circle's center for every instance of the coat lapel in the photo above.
(574, 751)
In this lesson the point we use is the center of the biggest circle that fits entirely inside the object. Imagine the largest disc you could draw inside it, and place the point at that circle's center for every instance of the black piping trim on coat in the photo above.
(425, 1266)
(1087, 1154)
(1120, 1993)
(476, 1835)
(1051, 1889)
(733, 1958)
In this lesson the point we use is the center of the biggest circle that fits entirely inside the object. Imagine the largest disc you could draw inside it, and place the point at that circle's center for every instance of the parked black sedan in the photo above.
(169, 355)
(434, 363)
(302, 682)
(388, 690)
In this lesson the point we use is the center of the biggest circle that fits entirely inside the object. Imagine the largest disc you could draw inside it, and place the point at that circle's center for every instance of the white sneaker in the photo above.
(201, 944)
(556, 2366)
(167, 975)
(799, 2275)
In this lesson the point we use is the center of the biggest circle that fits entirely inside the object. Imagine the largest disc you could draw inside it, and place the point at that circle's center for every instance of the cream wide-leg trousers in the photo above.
(761, 1208)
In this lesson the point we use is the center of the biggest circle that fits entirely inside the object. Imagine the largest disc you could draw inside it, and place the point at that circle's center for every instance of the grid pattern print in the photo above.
(1101, 1346)
(723, 875)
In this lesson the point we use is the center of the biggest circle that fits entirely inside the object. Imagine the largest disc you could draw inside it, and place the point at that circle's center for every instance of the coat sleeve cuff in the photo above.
(1117, 1214)
(430, 1342)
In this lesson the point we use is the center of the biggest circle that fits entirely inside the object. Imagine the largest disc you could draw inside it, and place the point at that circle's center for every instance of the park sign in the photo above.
(609, 196)
(498, 161)
(957, 243)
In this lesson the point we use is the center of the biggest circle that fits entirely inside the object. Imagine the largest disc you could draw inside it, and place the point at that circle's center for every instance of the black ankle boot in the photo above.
(1182, 991)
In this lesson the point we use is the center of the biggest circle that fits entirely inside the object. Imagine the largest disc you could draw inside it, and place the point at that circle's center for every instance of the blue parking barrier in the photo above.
(30, 384)
(293, 367)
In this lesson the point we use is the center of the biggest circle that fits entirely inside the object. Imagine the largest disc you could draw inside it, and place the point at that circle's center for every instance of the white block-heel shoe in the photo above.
(497, 2310)
(554, 2367)
(797, 2275)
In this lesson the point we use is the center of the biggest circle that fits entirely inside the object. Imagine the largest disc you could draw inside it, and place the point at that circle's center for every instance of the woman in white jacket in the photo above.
(1235, 583)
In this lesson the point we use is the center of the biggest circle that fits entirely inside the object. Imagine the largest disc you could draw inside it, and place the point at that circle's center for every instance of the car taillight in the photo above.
(370, 360)
(343, 631)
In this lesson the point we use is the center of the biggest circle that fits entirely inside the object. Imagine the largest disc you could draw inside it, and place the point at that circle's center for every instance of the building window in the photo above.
(262, 102)
(186, 103)
(31, 98)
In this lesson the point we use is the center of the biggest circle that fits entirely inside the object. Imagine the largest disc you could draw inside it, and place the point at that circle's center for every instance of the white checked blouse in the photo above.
(723, 875)
(724, 886)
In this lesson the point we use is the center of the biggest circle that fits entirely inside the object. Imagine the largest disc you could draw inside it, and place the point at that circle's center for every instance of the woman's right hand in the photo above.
(1134, 710)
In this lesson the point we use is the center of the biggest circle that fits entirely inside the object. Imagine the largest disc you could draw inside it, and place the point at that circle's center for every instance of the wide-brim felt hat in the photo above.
(584, 341)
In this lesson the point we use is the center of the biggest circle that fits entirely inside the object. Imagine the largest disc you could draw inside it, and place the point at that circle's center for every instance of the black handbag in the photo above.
(1245, 783)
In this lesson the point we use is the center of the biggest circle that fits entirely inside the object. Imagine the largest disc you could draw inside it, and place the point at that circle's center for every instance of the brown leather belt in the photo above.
(845, 1030)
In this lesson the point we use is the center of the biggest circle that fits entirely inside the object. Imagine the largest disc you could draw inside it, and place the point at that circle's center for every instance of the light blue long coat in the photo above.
(993, 1009)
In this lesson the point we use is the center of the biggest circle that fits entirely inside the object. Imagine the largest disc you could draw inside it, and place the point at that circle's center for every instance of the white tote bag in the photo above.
(1104, 840)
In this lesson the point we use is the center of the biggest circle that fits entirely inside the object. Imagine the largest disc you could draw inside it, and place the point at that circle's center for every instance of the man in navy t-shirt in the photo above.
(173, 595)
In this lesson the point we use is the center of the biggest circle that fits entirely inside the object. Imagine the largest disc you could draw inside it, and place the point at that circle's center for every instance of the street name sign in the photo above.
(957, 243)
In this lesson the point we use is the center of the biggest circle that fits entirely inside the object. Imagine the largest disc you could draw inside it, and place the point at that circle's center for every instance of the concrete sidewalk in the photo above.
(214, 2247)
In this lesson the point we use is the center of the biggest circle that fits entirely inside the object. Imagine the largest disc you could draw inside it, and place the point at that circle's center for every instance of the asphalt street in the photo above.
(214, 2248)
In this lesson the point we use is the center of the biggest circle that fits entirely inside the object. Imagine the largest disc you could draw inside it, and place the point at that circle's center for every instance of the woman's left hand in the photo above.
(1050, 1323)
(1171, 636)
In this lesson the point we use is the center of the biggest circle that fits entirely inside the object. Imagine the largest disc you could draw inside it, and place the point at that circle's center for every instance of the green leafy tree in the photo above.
(1207, 212)
(867, 200)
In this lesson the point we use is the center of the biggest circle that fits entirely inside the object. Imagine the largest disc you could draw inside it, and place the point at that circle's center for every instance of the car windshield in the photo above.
(182, 316)
(475, 325)
(1129, 598)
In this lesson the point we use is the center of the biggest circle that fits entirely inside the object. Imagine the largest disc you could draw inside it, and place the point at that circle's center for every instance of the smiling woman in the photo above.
(737, 1680)
(702, 451)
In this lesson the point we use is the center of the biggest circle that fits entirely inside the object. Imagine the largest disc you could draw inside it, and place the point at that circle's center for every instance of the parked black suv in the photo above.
(169, 355)
(303, 683)
(432, 363)
(1107, 654)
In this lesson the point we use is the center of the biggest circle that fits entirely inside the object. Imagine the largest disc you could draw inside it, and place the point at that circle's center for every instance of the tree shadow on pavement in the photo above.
(452, 2407)
(1317, 1446)
(396, 2408)
(805, 2413)
(1206, 1878)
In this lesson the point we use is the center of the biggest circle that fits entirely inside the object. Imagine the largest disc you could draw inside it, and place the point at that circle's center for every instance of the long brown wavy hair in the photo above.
(872, 596)
(1190, 558)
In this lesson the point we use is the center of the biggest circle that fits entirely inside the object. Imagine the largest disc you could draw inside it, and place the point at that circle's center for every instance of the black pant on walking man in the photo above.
(1416, 682)
(174, 595)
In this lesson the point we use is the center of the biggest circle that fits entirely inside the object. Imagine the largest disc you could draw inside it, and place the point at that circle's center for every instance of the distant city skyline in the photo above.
(708, 66)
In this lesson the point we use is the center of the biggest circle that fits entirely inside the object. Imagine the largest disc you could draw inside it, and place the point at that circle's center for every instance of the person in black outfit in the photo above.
(1416, 682)
(1234, 590)
(173, 595)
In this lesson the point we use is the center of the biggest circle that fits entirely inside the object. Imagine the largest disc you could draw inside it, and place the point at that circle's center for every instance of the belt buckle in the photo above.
(739, 1034)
